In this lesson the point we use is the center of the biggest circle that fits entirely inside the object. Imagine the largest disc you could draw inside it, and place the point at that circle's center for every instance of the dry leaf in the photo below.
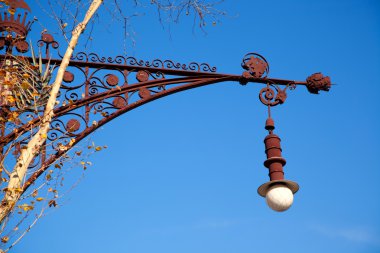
(26, 207)
(52, 203)
(34, 194)
(5, 239)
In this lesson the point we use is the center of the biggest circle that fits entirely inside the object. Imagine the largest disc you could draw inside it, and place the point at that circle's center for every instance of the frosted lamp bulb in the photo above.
(279, 198)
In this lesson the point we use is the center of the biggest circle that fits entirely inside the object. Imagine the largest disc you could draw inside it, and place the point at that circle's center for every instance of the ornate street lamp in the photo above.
(98, 89)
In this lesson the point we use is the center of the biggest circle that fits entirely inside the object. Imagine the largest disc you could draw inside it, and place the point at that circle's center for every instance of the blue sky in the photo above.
(180, 174)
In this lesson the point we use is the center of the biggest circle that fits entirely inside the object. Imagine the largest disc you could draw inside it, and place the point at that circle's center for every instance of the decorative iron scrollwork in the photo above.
(256, 66)
(95, 90)
(272, 95)
(47, 40)
(132, 61)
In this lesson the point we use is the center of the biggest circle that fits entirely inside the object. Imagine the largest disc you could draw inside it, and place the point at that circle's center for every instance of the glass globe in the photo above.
(279, 197)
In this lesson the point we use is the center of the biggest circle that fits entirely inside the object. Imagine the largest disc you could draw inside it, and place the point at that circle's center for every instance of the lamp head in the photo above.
(279, 194)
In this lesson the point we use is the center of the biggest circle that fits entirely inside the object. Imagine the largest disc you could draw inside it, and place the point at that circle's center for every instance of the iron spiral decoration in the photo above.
(272, 95)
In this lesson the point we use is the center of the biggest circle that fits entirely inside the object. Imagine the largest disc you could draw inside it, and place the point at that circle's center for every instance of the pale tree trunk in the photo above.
(34, 146)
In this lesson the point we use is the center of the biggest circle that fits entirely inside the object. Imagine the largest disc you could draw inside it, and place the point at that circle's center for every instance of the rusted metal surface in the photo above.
(142, 76)
(274, 162)
(14, 29)
(68, 77)
(112, 80)
(18, 4)
(317, 82)
(119, 102)
(72, 125)
(272, 95)
(256, 66)
(96, 90)
(14, 25)
(47, 40)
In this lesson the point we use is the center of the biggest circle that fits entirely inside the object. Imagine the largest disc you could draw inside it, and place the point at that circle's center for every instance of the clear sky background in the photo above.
(180, 174)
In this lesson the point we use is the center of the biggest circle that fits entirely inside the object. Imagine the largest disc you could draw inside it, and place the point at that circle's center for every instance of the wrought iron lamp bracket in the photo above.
(98, 89)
